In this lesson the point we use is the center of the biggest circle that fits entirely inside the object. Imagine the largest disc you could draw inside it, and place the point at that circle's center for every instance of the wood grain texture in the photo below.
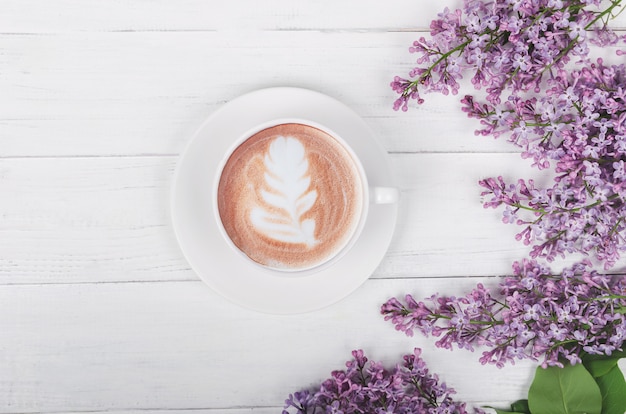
(29, 16)
(197, 15)
(149, 92)
(146, 93)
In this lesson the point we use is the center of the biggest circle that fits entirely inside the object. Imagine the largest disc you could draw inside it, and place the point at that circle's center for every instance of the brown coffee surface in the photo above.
(290, 196)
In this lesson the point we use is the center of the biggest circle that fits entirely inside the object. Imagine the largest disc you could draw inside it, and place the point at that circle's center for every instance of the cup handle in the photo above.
(384, 195)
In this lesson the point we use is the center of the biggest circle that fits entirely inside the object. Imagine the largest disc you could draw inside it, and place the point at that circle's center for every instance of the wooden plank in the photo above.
(88, 219)
(176, 345)
(147, 93)
(35, 16)
(81, 217)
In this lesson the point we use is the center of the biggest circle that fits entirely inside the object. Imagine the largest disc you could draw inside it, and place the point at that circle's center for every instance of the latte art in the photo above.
(286, 178)
(290, 197)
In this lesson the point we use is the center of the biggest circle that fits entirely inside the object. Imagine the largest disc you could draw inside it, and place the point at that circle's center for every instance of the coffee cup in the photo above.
(292, 197)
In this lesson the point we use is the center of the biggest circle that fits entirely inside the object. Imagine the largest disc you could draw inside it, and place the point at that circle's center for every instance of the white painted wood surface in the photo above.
(99, 310)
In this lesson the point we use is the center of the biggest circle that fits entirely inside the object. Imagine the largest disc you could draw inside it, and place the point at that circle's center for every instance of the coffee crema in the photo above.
(290, 197)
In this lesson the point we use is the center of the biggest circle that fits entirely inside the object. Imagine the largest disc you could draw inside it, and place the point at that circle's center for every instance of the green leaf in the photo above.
(613, 389)
(614, 355)
(600, 367)
(520, 406)
(567, 390)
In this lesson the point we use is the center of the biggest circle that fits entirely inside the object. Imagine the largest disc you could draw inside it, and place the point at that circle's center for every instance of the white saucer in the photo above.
(222, 268)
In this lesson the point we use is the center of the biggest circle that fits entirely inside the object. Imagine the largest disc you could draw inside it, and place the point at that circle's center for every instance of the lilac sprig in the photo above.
(571, 120)
(579, 125)
(535, 315)
(504, 45)
(367, 387)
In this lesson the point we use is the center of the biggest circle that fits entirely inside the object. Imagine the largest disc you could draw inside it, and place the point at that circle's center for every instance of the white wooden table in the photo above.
(99, 310)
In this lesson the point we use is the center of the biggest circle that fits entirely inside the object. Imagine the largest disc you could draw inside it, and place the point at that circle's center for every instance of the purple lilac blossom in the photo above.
(577, 126)
(367, 387)
(570, 120)
(504, 46)
(536, 314)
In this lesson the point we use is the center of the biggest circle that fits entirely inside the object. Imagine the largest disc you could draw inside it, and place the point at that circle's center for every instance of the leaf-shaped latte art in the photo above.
(287, 193)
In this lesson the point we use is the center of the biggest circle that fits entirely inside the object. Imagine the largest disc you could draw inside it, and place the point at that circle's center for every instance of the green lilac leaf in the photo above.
(614, 355)
(567, 390)
(520, 406)
(600, 367)
(613, 388)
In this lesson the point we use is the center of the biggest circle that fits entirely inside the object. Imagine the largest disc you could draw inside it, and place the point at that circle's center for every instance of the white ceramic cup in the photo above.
(266, 189)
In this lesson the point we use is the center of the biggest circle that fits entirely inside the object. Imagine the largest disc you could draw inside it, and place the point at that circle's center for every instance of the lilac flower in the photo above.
(585, 208)
(532, 312)
(572, 121)
(367, 387)
(535, 315)
(533, 37)
(577, 30)
(521, 61)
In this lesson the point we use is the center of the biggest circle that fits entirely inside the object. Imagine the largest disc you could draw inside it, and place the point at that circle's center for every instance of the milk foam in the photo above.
(286, 178)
